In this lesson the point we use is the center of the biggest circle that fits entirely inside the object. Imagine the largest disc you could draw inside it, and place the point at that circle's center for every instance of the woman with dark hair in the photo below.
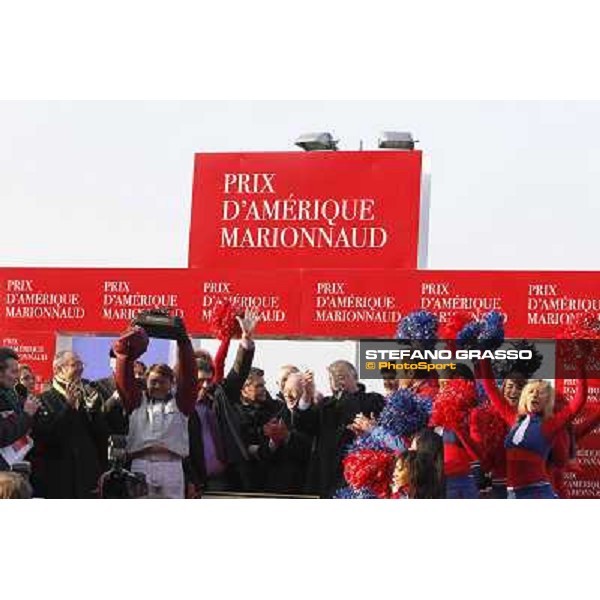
(158, 440)
(425, 466)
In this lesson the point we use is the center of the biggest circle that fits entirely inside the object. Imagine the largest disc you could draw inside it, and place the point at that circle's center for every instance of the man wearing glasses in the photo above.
(70, 434)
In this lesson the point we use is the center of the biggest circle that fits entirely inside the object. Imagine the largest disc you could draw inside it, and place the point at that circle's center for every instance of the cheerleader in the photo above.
(419, 472)
(494, 456)
(461, 451)
(401, 476)
(425, 466)
(533, 428)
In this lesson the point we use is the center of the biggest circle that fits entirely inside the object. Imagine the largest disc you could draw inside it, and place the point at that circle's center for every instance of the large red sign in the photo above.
(308, 210)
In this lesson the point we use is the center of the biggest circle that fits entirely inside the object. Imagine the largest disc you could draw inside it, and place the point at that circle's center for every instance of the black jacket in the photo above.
(328, 423)
(224, 399)
(71, 447)
(288, 464)
(14, 423)
(254, 472)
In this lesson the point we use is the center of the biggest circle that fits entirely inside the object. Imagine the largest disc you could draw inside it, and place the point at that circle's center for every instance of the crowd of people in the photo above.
(194, 429)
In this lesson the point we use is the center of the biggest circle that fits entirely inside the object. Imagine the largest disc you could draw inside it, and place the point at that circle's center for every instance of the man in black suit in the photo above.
(218, 451)
(70, 432)
(329, 422)
(288, 448)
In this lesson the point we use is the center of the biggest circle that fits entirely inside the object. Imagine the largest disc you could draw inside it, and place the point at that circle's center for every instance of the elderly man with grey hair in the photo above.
(70, 434)
(331, 424)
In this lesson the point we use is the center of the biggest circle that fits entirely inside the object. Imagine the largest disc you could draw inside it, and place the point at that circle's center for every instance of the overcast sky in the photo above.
(514, 185)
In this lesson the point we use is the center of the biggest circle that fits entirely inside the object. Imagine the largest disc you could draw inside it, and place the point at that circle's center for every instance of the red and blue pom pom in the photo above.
(405, 413)
(420, 326)
(370, 469)
(491, 332)
(461, 328)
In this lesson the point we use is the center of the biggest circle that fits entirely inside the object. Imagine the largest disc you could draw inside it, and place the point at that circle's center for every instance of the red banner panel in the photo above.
(306, 210)
(274, 295)
(447, 293)
(36, 349)
(367, 303)
(354, 304)
(106, 300)
(87, 300)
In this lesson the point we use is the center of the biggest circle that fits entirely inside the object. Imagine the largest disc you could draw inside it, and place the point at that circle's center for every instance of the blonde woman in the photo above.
(533, 428)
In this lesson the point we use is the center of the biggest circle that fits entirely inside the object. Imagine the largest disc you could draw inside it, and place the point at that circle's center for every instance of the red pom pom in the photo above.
(491, 433)
(371, 469)
(581, 339)
(449, 330)
(453, 403)
(223, 322)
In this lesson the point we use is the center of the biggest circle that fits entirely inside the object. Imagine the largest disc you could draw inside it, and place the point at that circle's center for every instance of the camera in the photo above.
(118, 482)
(23, 468)
(160, 324)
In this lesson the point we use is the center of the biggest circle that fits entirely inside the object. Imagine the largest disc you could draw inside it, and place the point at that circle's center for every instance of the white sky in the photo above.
(514, 185)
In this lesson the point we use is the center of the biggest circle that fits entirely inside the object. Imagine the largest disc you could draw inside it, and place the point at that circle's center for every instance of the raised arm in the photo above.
(555, 423)
(238, 374)
(504, 409)
(220, 357)
(128, 348)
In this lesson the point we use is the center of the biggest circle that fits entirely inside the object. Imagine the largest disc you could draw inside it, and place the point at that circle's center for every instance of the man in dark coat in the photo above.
(16, 417)
(255, 409)
(72, 432)
(216, 446)
(218, 449)
(329, 423)
(289, 448)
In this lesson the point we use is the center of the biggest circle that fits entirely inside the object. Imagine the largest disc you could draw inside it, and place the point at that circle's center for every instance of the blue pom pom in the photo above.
(367, 442)
(467, 336)
(404, 414)
(420, 325)
(347, 493)
(387, 440)
(491, 335)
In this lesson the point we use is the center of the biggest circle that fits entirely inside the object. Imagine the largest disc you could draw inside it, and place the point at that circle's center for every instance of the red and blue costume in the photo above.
(531, 438)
